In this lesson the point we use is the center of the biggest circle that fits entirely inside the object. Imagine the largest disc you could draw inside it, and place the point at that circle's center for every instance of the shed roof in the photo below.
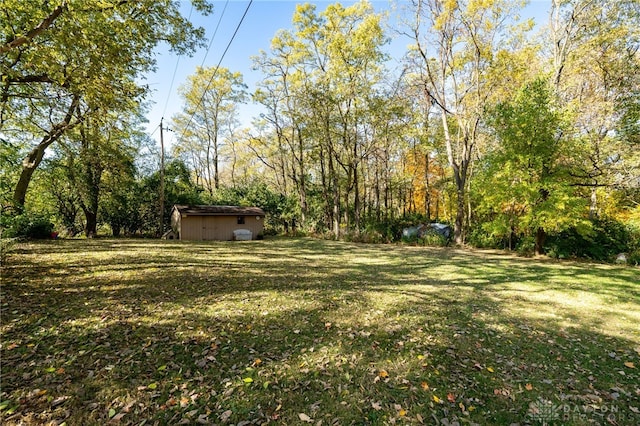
(219, 210)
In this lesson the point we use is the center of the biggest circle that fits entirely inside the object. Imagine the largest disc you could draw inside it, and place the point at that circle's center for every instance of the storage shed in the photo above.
(221, 223)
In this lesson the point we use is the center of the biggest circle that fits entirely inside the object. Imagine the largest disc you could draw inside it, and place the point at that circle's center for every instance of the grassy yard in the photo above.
(297, 331)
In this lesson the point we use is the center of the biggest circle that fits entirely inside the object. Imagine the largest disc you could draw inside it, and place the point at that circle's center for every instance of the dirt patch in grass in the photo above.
(295, 331)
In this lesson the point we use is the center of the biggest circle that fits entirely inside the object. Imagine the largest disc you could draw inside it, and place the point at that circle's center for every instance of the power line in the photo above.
(175, 71)
(215, 32)
(215, 71)
(155, 130)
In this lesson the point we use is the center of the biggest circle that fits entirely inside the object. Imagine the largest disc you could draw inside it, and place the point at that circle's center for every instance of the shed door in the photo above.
(209, 228)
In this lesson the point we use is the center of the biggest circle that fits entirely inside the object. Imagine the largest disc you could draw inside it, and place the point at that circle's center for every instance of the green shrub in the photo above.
(480, 238)
(27, 225)
(634, 258)
(430, 237)
(634, 245)
(368, 236)
(526, 246)
(433, 239)
(606, 239)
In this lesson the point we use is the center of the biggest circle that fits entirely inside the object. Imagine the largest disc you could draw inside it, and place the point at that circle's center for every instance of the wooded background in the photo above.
(518, 135)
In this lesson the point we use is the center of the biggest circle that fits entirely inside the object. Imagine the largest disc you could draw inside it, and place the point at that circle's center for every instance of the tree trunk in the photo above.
(325, 189)
(90, 178)
(91, 226)
(377, 193)
(335, 213)
(356, 201)
(336, 208)
(460, 213)
(541, 237)
(302, 187)
(593, 208)
(427, 188)
(459, 174)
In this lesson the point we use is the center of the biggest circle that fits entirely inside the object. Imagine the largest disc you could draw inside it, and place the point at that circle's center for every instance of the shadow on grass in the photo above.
(343, 333)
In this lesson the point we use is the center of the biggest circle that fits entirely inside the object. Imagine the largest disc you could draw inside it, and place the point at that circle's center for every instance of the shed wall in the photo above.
(217, 227)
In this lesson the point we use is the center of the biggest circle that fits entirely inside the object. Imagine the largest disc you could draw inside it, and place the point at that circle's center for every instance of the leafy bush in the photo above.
(606, 239)
(634, 245)
(526, 246)
(27, 225)
(481, 238)
(368, 236)
(430, 237)
(634, 258)
(434, 239)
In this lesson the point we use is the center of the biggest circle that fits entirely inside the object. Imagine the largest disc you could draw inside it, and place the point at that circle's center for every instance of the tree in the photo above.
(321, 79)
(528, 187)
(97, 155)
(453, 52)
(55, 183)
(211, 99)
(596, 68)
(279, 93)
(77, 56)
(179, 189)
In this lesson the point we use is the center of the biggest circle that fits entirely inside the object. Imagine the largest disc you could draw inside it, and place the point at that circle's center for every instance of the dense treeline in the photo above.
(520, 136)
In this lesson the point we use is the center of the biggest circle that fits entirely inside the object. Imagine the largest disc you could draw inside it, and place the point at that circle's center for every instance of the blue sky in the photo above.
(263, 20)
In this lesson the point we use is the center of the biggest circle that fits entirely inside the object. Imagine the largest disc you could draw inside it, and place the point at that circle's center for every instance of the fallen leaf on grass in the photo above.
(437, 400)
(225, 416)
(383, 374)
(502, 392)
(118, 417)
(451, 397)
(629, 364)
(376, 406)
(528, 386)
(424, 385)
(305, 418)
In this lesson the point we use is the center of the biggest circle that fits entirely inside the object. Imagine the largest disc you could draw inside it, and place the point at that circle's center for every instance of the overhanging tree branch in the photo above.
(31, 34)
(34, 158)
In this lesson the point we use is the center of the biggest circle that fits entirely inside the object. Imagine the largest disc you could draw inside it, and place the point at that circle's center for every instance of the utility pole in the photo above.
(161, 178)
